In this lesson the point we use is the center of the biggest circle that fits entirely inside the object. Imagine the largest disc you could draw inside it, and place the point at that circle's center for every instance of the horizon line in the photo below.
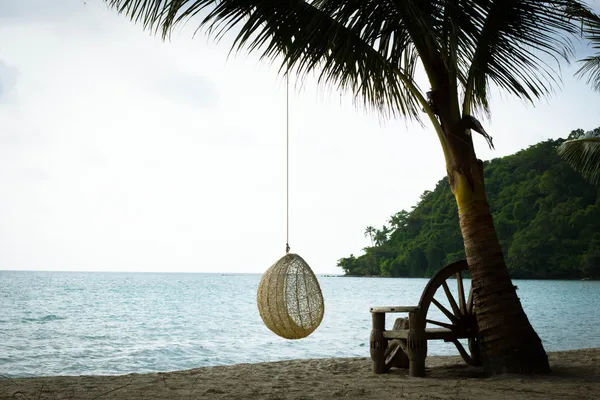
(149, 272)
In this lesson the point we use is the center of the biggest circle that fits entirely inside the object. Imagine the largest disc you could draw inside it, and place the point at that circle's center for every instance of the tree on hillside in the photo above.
(381, 236)
(582, 153)
(370, 232)
(374, 48)
(398, 220)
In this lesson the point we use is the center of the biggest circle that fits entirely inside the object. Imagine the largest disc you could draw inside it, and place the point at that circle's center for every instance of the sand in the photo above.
(576, 375)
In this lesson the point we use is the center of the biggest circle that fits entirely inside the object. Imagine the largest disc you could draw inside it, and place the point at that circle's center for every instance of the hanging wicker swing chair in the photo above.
(289, 298)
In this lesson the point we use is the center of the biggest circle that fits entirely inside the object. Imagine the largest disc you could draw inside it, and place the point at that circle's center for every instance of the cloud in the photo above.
(192, 89)
(124, 152)
(8, 81)
(35, 11)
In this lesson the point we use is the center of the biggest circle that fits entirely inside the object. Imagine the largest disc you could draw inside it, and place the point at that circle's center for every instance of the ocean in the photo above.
(96, 323)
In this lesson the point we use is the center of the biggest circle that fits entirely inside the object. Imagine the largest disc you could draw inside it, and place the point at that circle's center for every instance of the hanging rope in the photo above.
(289, 297)
(287, 160)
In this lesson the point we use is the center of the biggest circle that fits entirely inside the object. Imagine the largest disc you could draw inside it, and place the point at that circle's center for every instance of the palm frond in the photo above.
(372, 47)
(374, 62)
(512, 43)
(583, 155)
(590, 66)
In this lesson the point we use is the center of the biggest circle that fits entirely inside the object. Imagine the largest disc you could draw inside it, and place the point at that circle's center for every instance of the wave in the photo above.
(46, 318)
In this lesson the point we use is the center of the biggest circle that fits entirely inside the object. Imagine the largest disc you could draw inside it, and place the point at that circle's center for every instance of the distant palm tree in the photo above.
(583, 154)
(590, 68)
(373, 48)
(370, 231)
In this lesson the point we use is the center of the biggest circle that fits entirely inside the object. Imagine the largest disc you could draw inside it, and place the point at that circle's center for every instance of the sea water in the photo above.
(71, 323)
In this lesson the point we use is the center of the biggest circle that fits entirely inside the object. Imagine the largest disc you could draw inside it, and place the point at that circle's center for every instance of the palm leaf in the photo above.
(590, 66)
(307, 39)
(512, 44)
(583, 155)
(372, 47)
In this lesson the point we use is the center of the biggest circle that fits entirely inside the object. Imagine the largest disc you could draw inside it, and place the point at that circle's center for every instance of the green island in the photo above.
(547, 217)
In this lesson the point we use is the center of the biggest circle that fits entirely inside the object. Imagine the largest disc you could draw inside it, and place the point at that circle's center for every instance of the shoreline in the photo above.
(576, 374)
(429, 277)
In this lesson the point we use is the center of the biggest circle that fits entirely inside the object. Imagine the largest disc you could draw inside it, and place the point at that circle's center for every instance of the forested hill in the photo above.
(546, 215)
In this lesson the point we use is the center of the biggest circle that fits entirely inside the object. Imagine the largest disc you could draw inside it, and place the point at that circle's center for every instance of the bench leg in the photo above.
(378, 343)
(416, 344)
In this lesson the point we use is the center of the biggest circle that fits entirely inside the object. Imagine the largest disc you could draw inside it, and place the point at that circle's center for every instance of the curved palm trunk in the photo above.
(508, 341)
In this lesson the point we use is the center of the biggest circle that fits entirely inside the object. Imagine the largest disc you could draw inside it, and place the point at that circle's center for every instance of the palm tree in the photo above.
(373, 48)
(590, 68)
(583, 155)
(370, 231)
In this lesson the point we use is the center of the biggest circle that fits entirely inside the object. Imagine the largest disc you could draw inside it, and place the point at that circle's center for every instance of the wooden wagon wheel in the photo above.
(462, 320)
(461, 317)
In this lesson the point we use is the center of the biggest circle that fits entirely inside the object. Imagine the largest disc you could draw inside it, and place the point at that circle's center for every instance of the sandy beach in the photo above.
(576, 375)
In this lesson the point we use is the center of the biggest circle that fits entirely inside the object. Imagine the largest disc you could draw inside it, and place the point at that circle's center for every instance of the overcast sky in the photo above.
(120, 152)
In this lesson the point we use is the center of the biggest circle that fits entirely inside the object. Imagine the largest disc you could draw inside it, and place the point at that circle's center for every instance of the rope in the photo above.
(287, 161)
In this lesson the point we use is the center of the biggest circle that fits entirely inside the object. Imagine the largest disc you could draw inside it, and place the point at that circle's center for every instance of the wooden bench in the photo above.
(405, 346)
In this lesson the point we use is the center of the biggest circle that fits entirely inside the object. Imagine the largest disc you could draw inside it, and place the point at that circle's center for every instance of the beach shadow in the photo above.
(458, 371)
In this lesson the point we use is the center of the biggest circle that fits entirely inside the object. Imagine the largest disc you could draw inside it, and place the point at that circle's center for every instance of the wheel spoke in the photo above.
(461, 293)
(442, 324)
(466, 356)
(451, 299)
(474, 350)
(446, 312)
